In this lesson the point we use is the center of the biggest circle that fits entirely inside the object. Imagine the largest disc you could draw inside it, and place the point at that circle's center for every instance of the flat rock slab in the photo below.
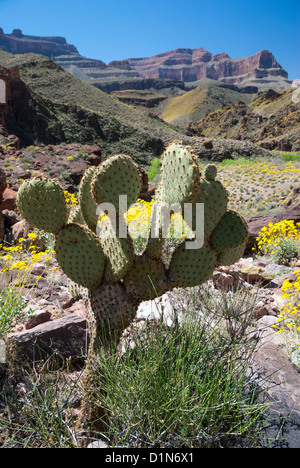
(67, 337)
(280, 381)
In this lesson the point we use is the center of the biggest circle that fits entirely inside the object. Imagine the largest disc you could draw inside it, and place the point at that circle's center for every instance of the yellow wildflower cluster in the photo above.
(138, 218)
(289, 318)
(270, 236)
(17, 258)
(256, 186)
(70, 198)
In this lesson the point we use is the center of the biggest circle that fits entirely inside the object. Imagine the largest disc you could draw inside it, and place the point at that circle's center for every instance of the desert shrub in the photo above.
(11, 309)
(154, 170)
(288, 322)
(235, 162)
(279, 240)
(16, 263)
(182, 385)
(290, 157)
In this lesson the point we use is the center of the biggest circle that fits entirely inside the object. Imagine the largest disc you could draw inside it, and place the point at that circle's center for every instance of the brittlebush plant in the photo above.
(288, 322)
(280, 241)
(16, 263)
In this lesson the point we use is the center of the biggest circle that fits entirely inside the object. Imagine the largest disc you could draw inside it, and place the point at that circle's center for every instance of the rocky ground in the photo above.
(55, 321)
(58, 322)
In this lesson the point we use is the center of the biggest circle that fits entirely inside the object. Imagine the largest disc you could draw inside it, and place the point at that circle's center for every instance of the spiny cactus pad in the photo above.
(145, 279)
(75, 216)
(111, 307)
(180, 175)
(215, 199)
(87, 203)
(231, 231)
(119, 251)
(80, 255)
(41, 202)
(210, 172)
(231, 255)
(191, 267)
(118, 175)
(155, 241)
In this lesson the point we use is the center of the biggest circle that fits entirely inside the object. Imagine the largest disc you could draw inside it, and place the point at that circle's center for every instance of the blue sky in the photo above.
(119, 29)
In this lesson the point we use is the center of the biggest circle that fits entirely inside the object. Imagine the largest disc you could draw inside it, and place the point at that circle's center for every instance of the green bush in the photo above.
(182, 385)
(235, 162)
(11, 309)
(290, 157)
(154, 170)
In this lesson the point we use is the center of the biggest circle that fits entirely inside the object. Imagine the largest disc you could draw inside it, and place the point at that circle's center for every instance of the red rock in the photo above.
(39, 317)
(194, 64)
(8, 200)
(3, 183)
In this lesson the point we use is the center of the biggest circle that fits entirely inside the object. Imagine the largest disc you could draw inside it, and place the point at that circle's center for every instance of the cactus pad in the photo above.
(80, 255)
(231, 231)
(118, 175)
(111, 308)
(210, 172)
(231, 255)
(191, 267)
(180, 175)
(145, 278)
(87, 203)
(215, 199)
(119, 251)
(42, 203)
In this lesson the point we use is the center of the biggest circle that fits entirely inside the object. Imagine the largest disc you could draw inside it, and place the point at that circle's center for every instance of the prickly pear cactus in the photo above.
(102, 265)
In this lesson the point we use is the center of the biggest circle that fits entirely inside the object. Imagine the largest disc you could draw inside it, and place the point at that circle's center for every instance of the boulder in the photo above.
(279, 382)
(67, 337)
(256, 223)
(8, 200)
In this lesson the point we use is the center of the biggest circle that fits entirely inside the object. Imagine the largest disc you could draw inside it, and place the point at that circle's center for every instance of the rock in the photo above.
(97, 444)
(223, 280)
(39, 317)
(3, 183)
(8, 200)
(194, 64)
(78, 308)
(20, 230)
(266, 309)
(77, 170)
(279, 382)
(253, 274)
(58, 295)
(67, 337)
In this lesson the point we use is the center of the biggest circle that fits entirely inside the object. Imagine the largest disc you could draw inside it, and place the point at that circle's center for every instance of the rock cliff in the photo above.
(179, 65)
(191, 65)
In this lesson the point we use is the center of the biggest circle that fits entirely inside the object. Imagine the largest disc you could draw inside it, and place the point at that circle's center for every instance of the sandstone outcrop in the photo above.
(191, 65)
(183, 65)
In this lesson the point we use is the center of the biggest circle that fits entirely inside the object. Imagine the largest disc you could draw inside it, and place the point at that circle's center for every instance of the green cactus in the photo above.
(104, 269)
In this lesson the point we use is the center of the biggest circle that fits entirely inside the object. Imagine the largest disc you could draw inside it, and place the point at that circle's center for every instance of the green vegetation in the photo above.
(70, 110)
(155, 165)
(197, 103)
(11, 309)
(290, 157)
(184, 385)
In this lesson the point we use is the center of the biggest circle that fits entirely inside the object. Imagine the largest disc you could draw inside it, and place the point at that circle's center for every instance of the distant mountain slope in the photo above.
(52, 106)
(190, 65)
(182, 65)
(197, 103)
(272, 120)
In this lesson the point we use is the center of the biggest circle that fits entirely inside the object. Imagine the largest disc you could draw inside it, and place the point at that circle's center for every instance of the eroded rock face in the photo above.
(193, 64)
(18, 43)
